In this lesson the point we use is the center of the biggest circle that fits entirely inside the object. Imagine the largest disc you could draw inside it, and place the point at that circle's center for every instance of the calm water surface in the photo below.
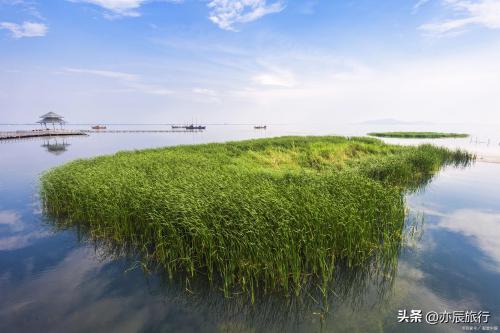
(50, 281)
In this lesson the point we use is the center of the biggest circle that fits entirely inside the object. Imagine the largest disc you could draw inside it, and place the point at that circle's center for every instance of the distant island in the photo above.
(418, 135)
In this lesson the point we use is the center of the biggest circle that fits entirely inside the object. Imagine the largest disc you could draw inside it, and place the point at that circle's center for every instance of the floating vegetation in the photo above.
(418, 135)
(268, 215)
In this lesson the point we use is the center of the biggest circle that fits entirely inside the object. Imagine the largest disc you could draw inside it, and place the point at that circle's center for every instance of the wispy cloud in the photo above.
(207, 95)
(103, 73)
(204, 91)
(466, 13)
(327, 87)
(419, 4)
(122, 8)
(132, 81)
(26, 29)
(275, 78)
(227, 13)
(224, 13)
(27, 6)
(117, 7)
(151, 89)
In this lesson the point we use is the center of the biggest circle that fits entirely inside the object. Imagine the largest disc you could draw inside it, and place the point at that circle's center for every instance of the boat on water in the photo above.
(98, 127)
(189, 127)
(260, 127)
(195, 127)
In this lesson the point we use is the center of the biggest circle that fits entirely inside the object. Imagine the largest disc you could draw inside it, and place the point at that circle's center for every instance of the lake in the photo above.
(54, 281)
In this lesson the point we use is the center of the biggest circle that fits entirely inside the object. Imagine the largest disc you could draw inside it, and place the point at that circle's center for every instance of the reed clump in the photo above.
(418, 135)
(269, 213)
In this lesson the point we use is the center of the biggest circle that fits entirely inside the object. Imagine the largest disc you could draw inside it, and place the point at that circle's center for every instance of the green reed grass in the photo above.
(418, 135)
(268, 213)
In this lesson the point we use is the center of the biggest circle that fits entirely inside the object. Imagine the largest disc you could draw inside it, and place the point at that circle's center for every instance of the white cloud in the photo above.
(484, 13)
(132, 81)
(103, 73)
(206, 95)
(12, 2)
(151, 89)
(204, 91)
(226, 13)
(122, 8)
(419, 4)
(28, 6)
(276, 78)
(26, 29)
(438, 89)
(118, 7)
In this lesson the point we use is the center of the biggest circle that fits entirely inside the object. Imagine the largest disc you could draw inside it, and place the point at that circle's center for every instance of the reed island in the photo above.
(269, 213)
(418, 135)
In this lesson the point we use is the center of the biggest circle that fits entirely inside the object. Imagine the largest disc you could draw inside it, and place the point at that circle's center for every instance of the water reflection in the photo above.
(56, 146)
(55, 284)
(481, 228)
(11, 220)
(365, 285)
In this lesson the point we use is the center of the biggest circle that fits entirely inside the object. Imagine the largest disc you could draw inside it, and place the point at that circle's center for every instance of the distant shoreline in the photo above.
(418, 135)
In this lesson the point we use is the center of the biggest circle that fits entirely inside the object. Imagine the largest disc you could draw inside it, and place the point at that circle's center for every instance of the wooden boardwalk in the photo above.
(49, 133)
(37, 133)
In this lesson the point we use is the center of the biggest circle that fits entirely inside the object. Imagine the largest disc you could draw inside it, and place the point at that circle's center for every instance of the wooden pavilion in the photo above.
(52, 118)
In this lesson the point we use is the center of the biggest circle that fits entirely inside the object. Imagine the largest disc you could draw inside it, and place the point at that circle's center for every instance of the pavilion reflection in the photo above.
(56, 146)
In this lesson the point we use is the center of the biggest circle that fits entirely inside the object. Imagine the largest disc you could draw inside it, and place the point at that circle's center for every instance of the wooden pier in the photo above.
(51, 132)
(38, 133)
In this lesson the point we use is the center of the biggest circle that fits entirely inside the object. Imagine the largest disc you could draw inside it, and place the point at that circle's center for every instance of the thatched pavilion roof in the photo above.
(51, 118)
(51, 115)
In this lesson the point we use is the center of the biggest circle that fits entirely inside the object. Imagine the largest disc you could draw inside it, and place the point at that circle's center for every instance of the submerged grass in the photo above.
(269, 213)
(418, 135)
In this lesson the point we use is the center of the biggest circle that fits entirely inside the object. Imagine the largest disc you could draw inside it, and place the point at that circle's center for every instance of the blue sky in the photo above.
(250, 60)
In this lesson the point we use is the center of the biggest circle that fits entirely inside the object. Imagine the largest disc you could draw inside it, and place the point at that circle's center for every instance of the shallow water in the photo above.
(51, 281)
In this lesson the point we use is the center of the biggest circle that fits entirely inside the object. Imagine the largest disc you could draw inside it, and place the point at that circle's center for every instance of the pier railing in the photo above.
(38, 133)
(61, 132)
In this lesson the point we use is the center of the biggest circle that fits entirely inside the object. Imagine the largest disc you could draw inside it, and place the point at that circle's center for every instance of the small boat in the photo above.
(98, 127)
(195, 127)
(260, 127)
(178, 126)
